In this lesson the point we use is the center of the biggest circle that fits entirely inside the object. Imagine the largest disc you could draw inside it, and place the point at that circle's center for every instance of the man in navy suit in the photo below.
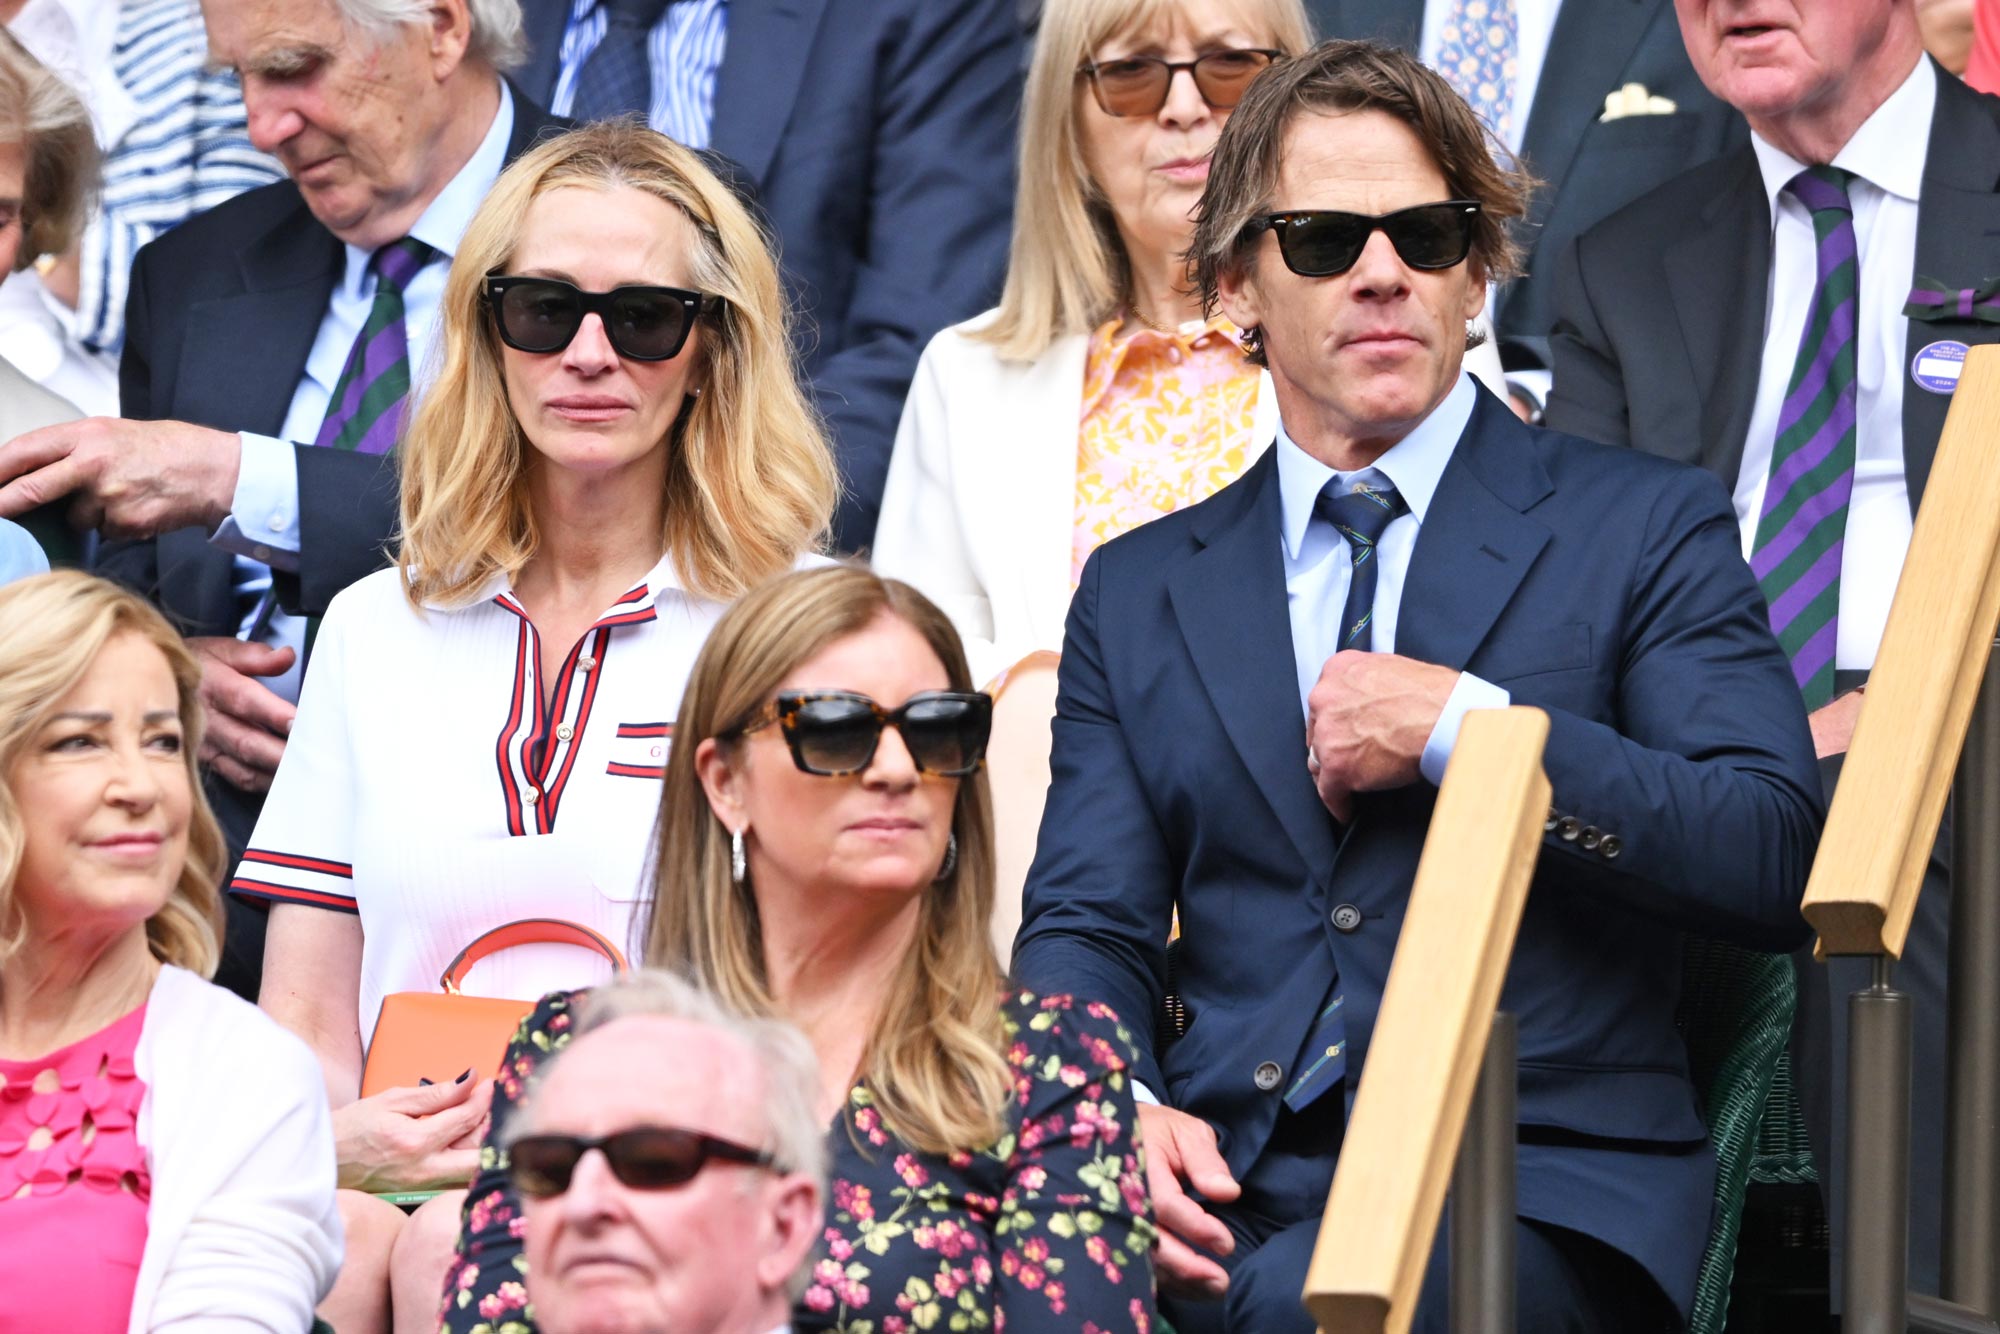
(879, 135)
(1225, 745)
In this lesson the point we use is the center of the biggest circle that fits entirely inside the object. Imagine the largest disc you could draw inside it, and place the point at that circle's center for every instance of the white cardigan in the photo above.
(980, 506)
(242, 1233)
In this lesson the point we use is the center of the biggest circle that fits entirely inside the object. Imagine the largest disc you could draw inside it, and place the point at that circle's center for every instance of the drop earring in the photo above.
(950, 858)
(739, 864)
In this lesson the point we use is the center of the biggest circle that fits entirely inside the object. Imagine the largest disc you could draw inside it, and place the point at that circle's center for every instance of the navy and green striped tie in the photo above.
(1802, 527)
(366, 410)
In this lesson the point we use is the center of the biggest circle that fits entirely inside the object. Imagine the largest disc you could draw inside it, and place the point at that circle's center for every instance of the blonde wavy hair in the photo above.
(935, 1064)
(39, 110)
(52, 627)
(750, 478)
(1067, 271)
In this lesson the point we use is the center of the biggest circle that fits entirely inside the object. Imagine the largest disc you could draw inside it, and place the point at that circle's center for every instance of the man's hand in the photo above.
(247, 723)
(1367, 720)
(420, 1138)
(1833, 724)
(128, 478)
(1181, 1148)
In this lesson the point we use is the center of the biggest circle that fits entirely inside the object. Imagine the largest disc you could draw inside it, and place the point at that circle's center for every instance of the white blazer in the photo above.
(980, 507)
(242, 1233)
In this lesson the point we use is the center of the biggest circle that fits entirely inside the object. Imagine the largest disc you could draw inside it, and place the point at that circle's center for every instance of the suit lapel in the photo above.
(1719, 272)
(1230, 601)
(1600, 36)
(1958, 239)
(288, 276)
(763, 62)
(1477, 542)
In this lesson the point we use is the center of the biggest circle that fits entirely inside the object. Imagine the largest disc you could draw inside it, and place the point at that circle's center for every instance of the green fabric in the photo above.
(1736, 1016)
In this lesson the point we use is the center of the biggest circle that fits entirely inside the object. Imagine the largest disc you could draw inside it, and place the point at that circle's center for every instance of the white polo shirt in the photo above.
(427, 787)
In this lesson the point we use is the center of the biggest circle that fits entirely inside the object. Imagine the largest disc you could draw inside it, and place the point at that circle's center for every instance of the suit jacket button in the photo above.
(1610, 847)
(1549, 826)
(1347, 919)
(1568, 828)
(1267, 1076)
(1591, 837)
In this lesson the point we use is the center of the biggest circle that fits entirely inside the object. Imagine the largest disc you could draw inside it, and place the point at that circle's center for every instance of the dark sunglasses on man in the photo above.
(642, 323)
(834, 733)
(643, 1158)
(1317, 243)
(1138, 85)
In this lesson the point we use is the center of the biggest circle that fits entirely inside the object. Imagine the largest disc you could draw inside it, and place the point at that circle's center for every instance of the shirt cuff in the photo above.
(1142, 1094)
(263, 522)
(1470, 693)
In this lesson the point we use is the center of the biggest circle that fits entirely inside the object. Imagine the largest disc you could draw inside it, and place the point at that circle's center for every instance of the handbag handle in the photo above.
(527, 931)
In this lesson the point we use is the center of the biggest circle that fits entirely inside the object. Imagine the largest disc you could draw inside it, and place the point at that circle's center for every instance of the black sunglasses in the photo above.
(643, 323)
(1138, 85)
(1319, 244)
(834, 733)
(644, 1158)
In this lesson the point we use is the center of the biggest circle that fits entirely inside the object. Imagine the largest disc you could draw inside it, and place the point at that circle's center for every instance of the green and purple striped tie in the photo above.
(1802, 528)
(365, 412)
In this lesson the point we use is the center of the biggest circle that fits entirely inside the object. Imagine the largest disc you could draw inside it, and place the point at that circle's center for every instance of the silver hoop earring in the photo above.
(739, 864)
(950, 858)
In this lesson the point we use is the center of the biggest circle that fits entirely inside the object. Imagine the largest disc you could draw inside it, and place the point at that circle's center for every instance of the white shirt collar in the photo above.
(443, 224)
(1888, 151)
(1413, 465)
(663, 577)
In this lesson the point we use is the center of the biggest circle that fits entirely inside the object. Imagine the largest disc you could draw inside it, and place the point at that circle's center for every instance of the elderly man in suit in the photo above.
(879, 135)
(1695, 325)
(245, 327)
(1227, 744)
(1599, 100)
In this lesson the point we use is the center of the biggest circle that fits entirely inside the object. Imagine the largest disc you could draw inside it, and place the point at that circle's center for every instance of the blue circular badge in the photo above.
(1938, 366)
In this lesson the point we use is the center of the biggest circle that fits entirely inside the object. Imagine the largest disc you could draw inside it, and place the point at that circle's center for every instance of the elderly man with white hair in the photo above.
(671, 1169)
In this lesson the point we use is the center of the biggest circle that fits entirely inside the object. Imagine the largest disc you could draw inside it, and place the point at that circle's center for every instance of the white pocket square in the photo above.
(1634, 100)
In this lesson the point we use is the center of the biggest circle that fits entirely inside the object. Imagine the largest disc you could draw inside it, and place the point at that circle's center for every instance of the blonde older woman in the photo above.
(826, 855)
(165, 1159)
(1099, 395)
(614, 448)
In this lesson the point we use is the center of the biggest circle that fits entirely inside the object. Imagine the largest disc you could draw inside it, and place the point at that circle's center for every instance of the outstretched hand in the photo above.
(1181, 1148)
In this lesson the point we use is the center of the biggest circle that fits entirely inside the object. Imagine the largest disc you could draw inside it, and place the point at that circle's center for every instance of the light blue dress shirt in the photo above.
(683, 54)
(1319, 563)
(20, 554)
(262, 529)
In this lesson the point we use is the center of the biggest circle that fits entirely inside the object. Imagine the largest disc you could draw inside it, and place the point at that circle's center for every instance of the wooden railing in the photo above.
(1431, 1033)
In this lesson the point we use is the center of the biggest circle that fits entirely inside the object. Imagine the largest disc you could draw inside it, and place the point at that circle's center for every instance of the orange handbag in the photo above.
(421, 1035)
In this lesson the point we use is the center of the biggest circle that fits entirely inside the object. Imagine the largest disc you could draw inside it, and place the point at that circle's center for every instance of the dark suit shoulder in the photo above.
(233, 223)
(1643, 226)
(1624, 485)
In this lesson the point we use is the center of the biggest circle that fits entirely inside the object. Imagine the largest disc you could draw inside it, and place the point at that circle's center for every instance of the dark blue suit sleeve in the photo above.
(936, 245)
(1100, 895)
(1709, 780)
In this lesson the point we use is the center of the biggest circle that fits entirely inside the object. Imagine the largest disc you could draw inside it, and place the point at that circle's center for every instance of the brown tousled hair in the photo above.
(1333, 78)
(934, 1063)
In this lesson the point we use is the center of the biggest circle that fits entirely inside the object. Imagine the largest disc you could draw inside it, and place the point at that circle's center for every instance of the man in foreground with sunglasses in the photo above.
(1259, 693)
(671, 1171)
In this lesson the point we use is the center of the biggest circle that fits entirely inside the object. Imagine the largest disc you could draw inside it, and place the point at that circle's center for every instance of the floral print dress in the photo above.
(1046, 1229)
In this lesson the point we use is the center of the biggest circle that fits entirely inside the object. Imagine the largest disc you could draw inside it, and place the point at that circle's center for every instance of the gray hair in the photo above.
(795, 1138)
(497, 37)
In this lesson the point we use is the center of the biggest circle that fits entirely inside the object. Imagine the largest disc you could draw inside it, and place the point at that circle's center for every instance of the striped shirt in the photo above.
(188, 150)
(683, 51)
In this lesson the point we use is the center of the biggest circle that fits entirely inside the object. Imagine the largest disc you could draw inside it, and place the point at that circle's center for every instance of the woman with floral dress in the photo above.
(826, 853)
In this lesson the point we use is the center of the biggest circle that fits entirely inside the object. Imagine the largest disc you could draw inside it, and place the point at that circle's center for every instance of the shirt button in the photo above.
(1347, 919)
(586, 662)
(565, 732)
(1591, 837)
(529, 795)
(1610, 847)
(1267, 1076)
(1568, 828)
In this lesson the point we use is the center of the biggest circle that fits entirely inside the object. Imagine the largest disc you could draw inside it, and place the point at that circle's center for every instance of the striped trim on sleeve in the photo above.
(289, 878)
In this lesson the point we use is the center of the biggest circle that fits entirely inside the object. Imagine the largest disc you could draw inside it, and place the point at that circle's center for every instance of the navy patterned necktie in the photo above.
(1360, 515)
(617, 78)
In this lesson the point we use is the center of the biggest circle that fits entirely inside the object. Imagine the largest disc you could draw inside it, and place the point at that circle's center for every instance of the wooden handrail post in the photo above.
(1431, 1031)
(1483, 1192)
(1971, 1271)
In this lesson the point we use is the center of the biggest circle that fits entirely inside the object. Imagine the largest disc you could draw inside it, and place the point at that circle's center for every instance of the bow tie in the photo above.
(1931, 300)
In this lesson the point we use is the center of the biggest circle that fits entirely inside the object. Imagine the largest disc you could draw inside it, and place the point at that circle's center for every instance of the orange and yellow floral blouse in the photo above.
(1166, 422)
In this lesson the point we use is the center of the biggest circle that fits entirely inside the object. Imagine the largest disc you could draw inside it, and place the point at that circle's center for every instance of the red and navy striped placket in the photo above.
(538, 744)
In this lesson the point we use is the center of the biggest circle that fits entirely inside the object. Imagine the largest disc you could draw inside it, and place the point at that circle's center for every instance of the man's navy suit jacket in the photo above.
(1603, 586)
(879, 135)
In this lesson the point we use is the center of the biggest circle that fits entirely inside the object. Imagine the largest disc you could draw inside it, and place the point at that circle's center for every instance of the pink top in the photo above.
(73, 1185)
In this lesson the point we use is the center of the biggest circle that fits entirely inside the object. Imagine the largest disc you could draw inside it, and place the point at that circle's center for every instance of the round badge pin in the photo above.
(1938, 366)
